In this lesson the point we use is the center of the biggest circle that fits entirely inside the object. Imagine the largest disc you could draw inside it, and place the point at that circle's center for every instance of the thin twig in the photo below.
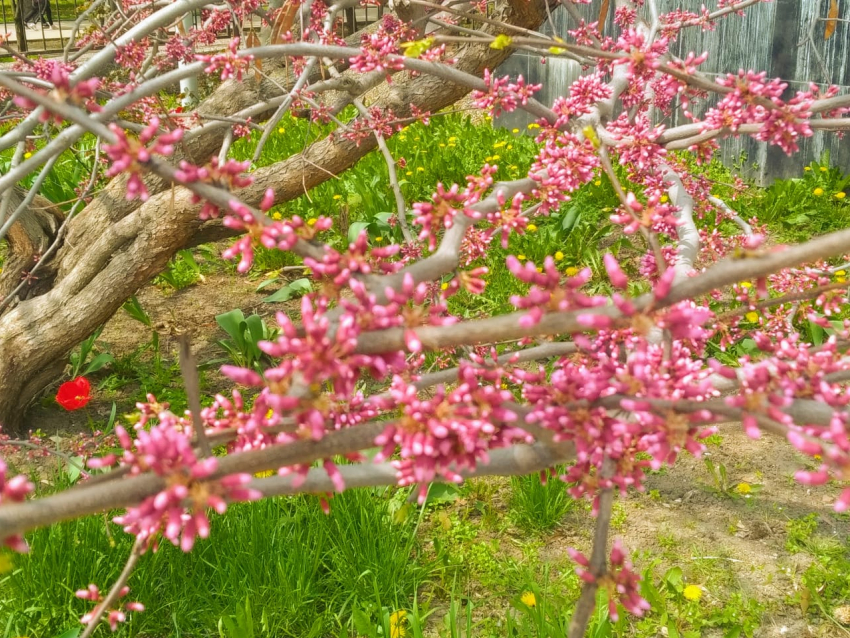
(598, 558)
(115, 593)
(189, 370)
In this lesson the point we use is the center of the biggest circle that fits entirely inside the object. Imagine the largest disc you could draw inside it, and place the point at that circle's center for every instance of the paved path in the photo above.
(61, 30)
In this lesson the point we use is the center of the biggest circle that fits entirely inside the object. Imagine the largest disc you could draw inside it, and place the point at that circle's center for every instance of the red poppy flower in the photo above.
(75, 394)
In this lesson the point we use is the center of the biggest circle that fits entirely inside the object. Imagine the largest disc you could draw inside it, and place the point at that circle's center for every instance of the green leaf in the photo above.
(133, 308)
(187, 256)
(672, 632)
(292, 289)
(817, 333)
(256, 329)
(104, 358)
(267, 283)
(112, 415)
(70, 633)
(233, 323)
(362, 623)
(798, 220)
(674, 579)
(355, 229)
(441, 493)
(570, 218)
(73, 470)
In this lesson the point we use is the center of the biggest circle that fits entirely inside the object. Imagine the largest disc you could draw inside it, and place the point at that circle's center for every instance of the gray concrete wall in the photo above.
(765, 40)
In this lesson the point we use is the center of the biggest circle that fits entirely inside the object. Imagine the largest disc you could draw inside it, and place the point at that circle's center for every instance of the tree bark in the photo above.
(113, 247)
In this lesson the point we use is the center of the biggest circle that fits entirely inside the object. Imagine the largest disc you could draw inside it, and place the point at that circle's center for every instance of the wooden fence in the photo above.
(798, 40)
(790, 39)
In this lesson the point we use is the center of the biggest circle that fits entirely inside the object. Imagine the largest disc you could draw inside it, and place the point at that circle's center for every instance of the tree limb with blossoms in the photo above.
(614, 383)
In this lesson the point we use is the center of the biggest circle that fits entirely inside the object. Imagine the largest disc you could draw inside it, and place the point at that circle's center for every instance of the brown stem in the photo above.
(189, 369)
(115, 593)
(598, 558)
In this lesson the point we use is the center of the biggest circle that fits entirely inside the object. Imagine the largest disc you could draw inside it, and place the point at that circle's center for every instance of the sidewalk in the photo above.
(61, 30)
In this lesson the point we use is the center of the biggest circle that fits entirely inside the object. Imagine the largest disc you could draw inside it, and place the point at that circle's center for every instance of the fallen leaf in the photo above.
(832, 20)
(603, 14)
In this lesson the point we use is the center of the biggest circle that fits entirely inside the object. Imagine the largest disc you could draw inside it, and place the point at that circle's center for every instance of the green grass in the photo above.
(539, 507)
(286, 569)
(302, 571)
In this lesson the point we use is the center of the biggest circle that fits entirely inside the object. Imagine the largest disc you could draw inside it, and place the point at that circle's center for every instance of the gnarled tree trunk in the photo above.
(115, 246)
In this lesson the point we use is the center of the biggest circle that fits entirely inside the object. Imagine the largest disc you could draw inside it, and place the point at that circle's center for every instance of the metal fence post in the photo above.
(20, 27)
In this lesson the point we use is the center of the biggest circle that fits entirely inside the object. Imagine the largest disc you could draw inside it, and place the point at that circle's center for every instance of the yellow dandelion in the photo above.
(692, 592)
(442, 145)
(818, 191)
(496, 157)
(337, 196)
(572, 271)
(539, 269)
(419, 169)
(409, 173)
(452, 145)
(515, 131)
(312, 221)
(513, 167)
(499, 144)
(807, 168)
(453, 139)
(840, 273)
(752, 316)
(559, 256)
(745, 284)
(744, 488)
(402, 137)
(823, 169)
(521, 257)
(664, 199)
(598, 182)
(264, 474)
(281, 130)
(27, 155)
(533, 126)
(510, 147)
(379, 239)
(531, 228)
(277, 216)
(840, 280)
(529, 599)
(398, 624)
(840, 195)
(444, 285)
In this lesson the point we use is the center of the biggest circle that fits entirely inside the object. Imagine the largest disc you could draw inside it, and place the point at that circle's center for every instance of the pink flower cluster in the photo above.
(113, 616)
(620, 581)
(502, 94)
(231, 63)
(178, 510)
(128, 154)
(80, 93)
(451, 431)
(14, 490)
